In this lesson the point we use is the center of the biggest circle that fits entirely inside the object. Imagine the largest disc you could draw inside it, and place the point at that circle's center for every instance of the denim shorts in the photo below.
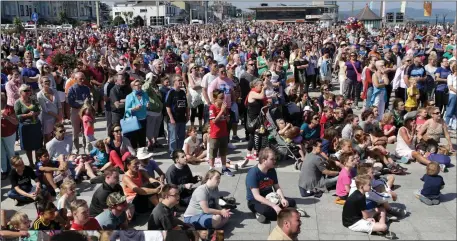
(201, 221)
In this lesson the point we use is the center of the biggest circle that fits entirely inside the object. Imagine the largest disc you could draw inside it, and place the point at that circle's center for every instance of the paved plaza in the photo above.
(423, 222)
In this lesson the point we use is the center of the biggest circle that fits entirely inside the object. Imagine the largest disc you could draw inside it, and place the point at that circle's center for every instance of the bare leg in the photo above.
(218, 221)
(416, 155)
(392, 139)
(30, 157)
(390, 180)
(49, 179)
(211, 162)
(108, 164)
(89, 170)
(381, 225)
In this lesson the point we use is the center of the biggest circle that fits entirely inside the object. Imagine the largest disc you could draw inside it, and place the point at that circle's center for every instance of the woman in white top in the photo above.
(195, 94)
(342, 70)
(51, 107)
(406, 139)
(192, 148)
(451, 109)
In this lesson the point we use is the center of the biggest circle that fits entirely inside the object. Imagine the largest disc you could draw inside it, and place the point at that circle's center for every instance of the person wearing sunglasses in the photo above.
(61, 144)
(434, 128)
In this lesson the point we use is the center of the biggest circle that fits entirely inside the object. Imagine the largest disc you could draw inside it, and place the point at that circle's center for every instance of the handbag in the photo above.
(130, 124)
(252, 125)
(359, 76)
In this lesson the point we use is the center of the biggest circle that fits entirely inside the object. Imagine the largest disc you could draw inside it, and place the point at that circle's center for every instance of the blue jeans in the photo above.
(7, 152)
(15, 195)
(176, 136)
(451, 108)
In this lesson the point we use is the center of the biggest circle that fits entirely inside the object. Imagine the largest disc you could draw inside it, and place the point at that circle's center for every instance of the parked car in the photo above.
(30, 27)
(67, 26)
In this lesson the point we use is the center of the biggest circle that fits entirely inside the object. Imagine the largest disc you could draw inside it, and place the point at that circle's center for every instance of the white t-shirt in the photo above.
(206, 81)
(192, 145)
(452, 82)
(153, 235)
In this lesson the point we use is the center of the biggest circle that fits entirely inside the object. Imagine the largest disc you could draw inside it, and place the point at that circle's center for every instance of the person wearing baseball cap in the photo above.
(115, 216)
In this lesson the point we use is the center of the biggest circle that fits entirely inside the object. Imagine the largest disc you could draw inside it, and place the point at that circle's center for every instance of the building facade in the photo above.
(303, 13)
(149, 11)
(48, 10)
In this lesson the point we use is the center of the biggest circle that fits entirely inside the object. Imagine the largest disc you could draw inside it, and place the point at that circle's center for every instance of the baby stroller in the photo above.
(275, 141)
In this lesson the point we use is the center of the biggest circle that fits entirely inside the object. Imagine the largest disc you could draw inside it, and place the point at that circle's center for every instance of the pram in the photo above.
(274, 140)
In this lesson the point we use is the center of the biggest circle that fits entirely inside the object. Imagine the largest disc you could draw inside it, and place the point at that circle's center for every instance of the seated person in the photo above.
(115, 216)
(204, 211)
(262, 181)
(356, 216)
(81, 219)
(433, 183)
(47, 215)
(381, 192)
(140, 189)
(149, 165)
(388, 127)
(101, 158)
(61, 144)
(67, 195)
(21, 178)
(51, 172)
(19, 227)
(343, 184)
(315, 178)
(162, 217)
(180, 175)
(192, 148)
(329, 142)
(310, 129)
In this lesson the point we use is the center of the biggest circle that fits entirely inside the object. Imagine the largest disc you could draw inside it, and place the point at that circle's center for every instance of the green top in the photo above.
(262, 62)
(21, 109)
(155, 97)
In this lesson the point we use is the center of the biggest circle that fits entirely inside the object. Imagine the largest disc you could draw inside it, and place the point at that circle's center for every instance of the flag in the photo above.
(371, 4)
(427, 9)
(403, 7)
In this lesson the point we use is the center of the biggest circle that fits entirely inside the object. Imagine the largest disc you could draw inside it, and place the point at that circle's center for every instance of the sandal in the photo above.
(302, 213)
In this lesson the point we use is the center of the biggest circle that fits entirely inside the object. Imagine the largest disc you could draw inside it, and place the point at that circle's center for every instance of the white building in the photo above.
(48, 10)
(148, 11)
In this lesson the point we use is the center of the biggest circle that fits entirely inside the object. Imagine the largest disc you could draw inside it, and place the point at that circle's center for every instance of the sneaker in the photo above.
(251, 157)
(236, 139)
(260, 218)
(227, 172)
(340, 201)
(391, 217)
(398, 212)
(443, 168)
(234, 166)
(231, 146)
(435, 201)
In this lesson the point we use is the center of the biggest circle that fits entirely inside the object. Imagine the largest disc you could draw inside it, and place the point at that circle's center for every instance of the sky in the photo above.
(347, 5)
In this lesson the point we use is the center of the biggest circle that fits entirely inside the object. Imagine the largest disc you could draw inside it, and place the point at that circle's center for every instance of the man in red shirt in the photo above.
(81, 218)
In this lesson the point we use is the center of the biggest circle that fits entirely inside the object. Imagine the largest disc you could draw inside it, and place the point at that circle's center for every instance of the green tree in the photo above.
(18, 25)
(138, 21)
(118, 21)
(63, 18)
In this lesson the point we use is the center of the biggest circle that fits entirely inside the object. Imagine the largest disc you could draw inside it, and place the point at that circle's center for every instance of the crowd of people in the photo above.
(149, 83)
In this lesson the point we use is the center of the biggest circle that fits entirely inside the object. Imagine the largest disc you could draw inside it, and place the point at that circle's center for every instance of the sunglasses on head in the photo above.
(27, 90)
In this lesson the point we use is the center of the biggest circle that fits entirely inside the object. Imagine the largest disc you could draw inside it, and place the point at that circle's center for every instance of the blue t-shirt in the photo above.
(257, 179)
(39, 164)
(432, 185)
(30, 72)
(444, 72)
(325, 146)
(308, 133)
(101, 156)
(150, 168)
(417, 71)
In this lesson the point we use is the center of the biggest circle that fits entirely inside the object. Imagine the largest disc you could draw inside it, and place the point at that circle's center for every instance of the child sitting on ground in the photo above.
(433, 183)
(329, 100)
(356, 216)
(388, 127)
(194, 153)
(343, 185)
(18, 227)
(47, 214)
(51, 172)
(149, 165)
(67, 195)
(100, 156)
(421, 118)
(21, 178)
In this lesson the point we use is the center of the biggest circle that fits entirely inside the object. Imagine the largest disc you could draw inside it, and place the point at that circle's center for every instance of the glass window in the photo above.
(21, 10)
(143, 10)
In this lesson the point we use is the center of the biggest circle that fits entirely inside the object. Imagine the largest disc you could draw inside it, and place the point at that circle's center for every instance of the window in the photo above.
(81, 13)
(21, 10)
(117, 14)
(143, 10)
(27, 11)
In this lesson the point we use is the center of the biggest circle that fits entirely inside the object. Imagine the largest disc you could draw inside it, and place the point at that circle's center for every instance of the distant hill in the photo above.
(414, 13)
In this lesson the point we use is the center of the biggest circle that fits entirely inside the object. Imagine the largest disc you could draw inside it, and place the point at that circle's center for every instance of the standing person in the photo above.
(195, 94)
(417, 72)
(260, 182)
(325, 70)
(380, 80)
(391, 67)
(353, 82)
(178, 114)
(51, 108)
(9, 124)
(30, 75)
(441, 76)
(27, 111)
(218, 141)
(451, 110)
(226, 85)
(288, 225)
(136, 104)
(311, 74)
(367, 79)
(300, 66)
(206, 81)
(110, 83)
(245, 85)
(262, 62)
(12, 88)
(77, 94)
(154, 112)
(117, 97)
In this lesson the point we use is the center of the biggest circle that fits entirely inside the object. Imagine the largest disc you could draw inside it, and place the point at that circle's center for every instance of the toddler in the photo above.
(87, 114)
(433, 183)
(192, 148)
(67, 195)
(421, 118)
(100, 156)
(388, 127)
(329, 100)
(413, 96)
(18, 227)
(343, 185)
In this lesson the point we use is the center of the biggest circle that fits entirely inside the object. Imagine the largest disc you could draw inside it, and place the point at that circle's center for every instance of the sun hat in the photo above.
(142, 153)
(409, 116)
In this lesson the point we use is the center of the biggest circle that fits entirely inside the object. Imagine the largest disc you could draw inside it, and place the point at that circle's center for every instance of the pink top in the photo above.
(88, 128)
(420, 121)
(344, 178)
(226, 85)
(12, 92)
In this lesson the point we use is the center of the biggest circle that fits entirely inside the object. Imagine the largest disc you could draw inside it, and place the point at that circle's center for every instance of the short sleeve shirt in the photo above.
(217, 129)
(226, 85)
(352, 210)
(344, 178)
(202, 193)
(23, 181)
(108, 221)
(262, 181)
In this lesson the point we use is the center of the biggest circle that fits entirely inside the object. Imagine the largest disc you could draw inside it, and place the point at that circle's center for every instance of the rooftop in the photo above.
(367, 14)
(291, 7)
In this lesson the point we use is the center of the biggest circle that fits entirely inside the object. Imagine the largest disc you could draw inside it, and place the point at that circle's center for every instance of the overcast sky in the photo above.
(347, 5)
